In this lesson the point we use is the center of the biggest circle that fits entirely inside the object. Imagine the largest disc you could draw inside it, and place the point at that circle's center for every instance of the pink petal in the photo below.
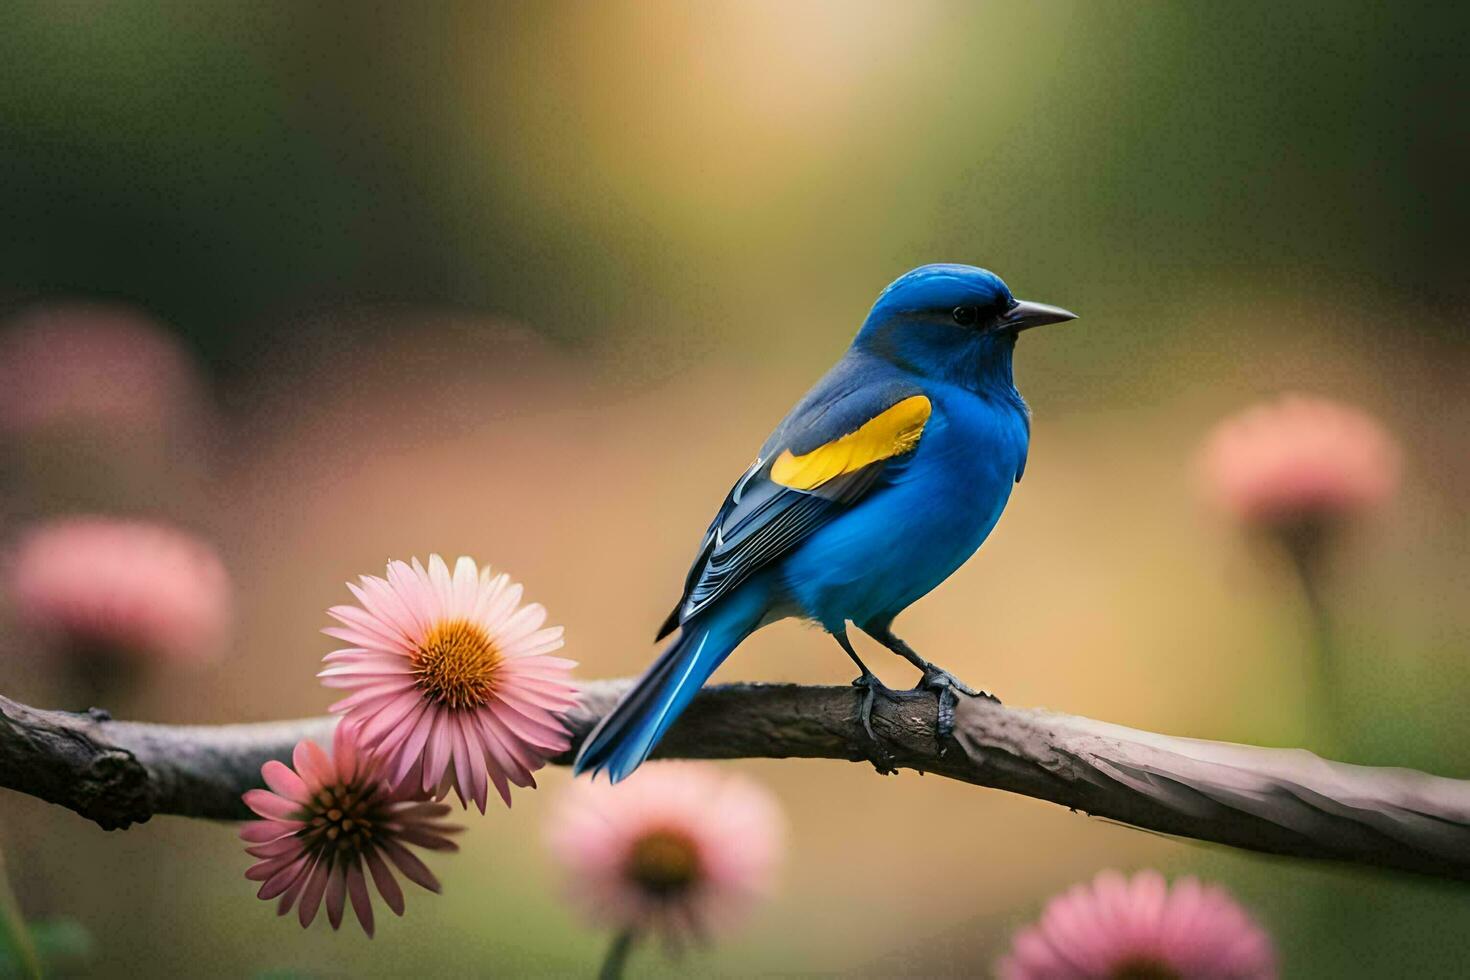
(283, 878)
(491, 588)
(420, 837)
(336, 896)
(361, 901)
(469, 736)
(266, 869)
(260, 831)
(515, 691)
(289, 895)
(555, 698)
(275, 848)
(363, 666)
(382, 601)
(414, 595)
(419, 811)
(373, 696)
(312, 764)
(413, 869)
(538, 644)
(387, 884)
(443, 585)
(547, 683)
(311, 895)
(527, 620)
(367, 624)
(344, 750)
(543, 662)
(542, 731)
(500, 763)
(509, 598)
(511, 752)
(349, 655)
(268, 804)
(385, 719)
(361, 644)
(436, 756)
(466, 586)
(412, 749)
(284, 782)
(502, 788)
(347, 683)
(461, 754)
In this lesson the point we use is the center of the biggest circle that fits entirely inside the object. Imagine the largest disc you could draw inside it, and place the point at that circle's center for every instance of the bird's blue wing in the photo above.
(846, 435)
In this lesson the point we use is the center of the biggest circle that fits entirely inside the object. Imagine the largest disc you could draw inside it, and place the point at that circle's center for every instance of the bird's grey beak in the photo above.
(1025, 315)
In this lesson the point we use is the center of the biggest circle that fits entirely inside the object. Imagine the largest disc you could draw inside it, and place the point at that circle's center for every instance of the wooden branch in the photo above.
(1281, 801)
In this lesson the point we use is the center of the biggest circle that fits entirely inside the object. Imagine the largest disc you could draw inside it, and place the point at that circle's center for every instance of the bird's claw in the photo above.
(872, 686)
(944, 685)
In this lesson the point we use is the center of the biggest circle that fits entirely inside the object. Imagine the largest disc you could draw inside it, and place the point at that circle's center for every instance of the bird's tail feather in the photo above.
(625, 737)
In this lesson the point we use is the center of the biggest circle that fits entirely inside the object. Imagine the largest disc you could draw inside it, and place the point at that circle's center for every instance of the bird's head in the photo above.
(955, 322)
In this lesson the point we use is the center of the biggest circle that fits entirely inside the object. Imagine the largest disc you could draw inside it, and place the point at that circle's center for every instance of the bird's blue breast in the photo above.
(910, 534)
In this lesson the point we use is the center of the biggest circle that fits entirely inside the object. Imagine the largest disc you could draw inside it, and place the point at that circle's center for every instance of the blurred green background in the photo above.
(532, 281)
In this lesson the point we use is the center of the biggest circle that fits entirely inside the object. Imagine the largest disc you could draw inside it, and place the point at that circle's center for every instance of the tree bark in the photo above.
(1281, 801)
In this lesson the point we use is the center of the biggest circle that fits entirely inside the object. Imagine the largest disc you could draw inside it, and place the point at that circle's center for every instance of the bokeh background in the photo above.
(532, 282)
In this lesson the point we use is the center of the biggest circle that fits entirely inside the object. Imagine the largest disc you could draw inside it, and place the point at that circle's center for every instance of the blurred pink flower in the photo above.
(678, 848)
(1299, 460)
(451, 678)
(82, 362)
(333, 823)
(1114, 928)
(123, 587)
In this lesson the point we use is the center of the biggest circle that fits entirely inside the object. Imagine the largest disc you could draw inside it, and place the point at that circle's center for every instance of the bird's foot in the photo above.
(945, 684)
(872, 687)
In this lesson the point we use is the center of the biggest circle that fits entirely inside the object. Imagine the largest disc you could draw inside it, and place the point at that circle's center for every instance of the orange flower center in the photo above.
(1143, 968)
(456, 663)
(664, 863)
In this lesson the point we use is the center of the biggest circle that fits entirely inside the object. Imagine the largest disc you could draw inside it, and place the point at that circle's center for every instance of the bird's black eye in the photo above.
(965, 315)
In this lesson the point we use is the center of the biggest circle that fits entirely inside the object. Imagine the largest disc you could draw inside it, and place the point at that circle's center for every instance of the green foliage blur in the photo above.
(531, 282)
(606, 169)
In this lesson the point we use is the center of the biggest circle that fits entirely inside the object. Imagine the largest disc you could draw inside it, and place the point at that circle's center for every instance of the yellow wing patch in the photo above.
(890, 433)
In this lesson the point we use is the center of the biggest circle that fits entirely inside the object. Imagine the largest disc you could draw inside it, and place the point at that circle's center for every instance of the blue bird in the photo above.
(880, 483)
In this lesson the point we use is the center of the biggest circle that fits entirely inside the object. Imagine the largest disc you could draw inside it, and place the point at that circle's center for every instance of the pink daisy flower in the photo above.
(1115, 928)
(677, 849)
(1299, 461)
(120, 587)
(451, 678)
(333, 823)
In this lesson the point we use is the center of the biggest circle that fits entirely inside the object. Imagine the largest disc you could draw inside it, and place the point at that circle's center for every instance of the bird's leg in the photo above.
(935, 678)
(868, 681)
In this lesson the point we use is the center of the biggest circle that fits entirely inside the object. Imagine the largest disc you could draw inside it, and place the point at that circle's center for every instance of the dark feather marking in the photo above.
(760, 520)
